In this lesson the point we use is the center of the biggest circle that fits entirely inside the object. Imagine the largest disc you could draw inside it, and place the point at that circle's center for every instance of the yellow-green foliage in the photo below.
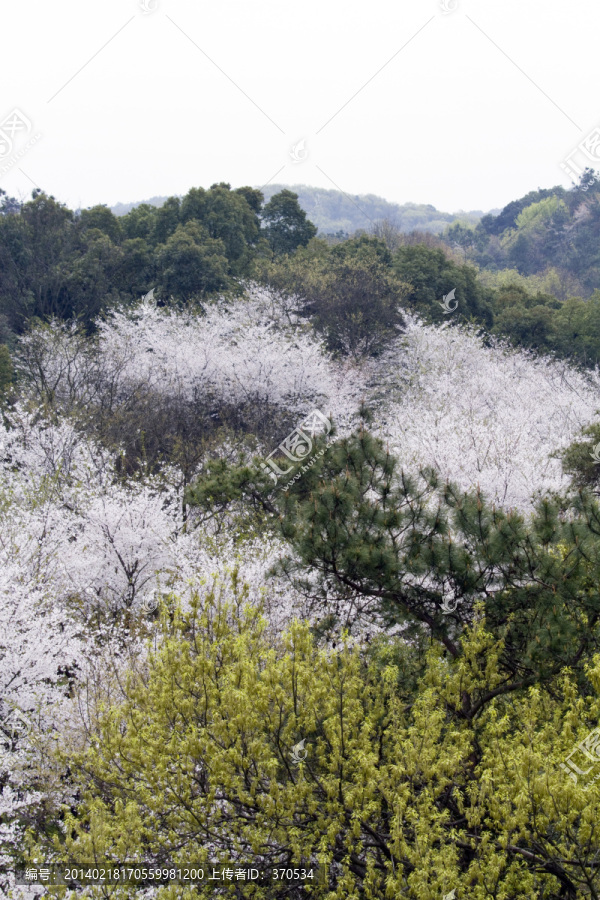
(549, 282)
(533, 220)
(536, 215)
(396, 800)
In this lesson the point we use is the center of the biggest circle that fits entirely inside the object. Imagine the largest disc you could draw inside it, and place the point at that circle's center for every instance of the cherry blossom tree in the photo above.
(481, 414)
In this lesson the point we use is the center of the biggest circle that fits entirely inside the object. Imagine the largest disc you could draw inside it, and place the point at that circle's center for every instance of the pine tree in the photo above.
(420, 554)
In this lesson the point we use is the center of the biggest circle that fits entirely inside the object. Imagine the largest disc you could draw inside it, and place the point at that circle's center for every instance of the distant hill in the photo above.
(333, 211)
(121, 209)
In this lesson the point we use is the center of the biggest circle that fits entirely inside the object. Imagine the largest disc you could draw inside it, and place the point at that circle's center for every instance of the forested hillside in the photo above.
(551, 229)
(300, 550)
(333, 212)
(55, 262)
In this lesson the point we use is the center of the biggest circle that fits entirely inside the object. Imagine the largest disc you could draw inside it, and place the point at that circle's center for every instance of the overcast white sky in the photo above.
(464, 109)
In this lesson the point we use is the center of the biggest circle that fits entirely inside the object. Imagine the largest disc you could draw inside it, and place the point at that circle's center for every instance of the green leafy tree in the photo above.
(461, 235)
(577, 324)
(54, 264)
(286, 225)
(528, 320)
(354, 300)
(349, 291)
(167, 219)
(293, 275)
(253, 197)
(104, 220)
(90, 276)
(235, 746)
(191, 263)
(135, 272)
(432, 276)
(35, 250)
(140, 222)
(8, 204)
(229, 218)
(193, 205)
